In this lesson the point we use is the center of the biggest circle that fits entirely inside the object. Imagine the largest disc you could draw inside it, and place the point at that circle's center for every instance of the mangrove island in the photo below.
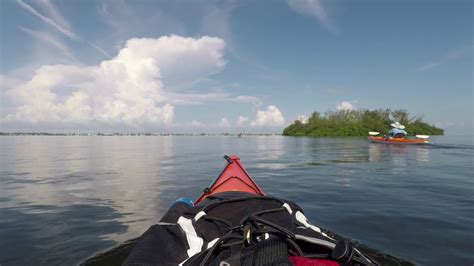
(358, 123)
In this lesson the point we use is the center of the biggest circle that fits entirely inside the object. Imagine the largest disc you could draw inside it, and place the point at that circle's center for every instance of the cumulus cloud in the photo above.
(224, 122)
(196, 123)
(272, 117)
(7, 82)
(127, 89)
(179, 59)
(303, 119)
(346, 105)
(242, 120)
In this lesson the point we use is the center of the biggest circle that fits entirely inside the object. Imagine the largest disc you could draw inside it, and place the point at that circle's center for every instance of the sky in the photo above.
(230, 66)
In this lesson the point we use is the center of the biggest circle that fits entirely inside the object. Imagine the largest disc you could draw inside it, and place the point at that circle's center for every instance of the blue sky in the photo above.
(217, 66)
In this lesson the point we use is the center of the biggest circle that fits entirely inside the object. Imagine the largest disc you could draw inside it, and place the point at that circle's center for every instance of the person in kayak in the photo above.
(235, 223)
(397, 131)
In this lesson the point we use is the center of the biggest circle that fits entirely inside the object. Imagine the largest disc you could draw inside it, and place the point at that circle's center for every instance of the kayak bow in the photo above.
(233, 178)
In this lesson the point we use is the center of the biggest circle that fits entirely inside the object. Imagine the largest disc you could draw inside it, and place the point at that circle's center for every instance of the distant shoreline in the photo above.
(100, 134)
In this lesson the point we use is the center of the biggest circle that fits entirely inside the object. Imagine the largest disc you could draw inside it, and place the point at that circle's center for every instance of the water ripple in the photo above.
(63, 199)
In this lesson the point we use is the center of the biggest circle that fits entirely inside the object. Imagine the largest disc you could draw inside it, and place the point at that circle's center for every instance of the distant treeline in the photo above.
(358, 123)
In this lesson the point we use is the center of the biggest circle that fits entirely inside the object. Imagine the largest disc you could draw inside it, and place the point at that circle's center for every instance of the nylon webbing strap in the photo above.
(268, 252)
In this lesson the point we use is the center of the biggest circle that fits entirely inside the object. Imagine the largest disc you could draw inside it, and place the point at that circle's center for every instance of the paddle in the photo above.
(422, 136)
(374, 133)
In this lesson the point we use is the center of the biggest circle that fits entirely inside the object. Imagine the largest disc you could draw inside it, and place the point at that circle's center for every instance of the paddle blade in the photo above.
(422, 136)
(374, 133)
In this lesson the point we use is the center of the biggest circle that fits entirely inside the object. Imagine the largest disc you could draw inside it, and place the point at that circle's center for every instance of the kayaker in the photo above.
(397, 131)
(235, 223)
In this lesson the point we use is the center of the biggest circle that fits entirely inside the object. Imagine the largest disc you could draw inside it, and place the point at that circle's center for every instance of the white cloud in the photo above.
(61, 28)
(51, 40)
(272, 117)
(100, 50)
(242, 120)
(216, 20)
(54, 13)
(127, 89)
(451, 56)
(180, 59)
(201, 98)
(7, 82)
(303, 119)
(196, 123)
(346, 105)
(56, 20)
(313, 8)
(224, 122)
(250, 99)
(428, 66)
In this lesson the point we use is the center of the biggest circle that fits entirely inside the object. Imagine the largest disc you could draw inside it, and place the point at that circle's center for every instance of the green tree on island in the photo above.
(358, 123)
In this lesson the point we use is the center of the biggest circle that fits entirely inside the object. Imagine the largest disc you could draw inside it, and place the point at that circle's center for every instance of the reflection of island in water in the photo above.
(398, 155)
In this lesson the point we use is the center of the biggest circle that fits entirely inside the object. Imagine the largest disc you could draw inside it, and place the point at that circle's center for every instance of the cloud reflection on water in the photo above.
(80, 195)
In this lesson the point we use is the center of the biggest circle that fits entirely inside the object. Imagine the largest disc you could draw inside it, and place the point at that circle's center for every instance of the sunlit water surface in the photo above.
(62, 199)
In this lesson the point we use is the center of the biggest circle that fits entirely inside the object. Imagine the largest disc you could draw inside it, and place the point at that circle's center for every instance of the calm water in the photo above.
(62, 199)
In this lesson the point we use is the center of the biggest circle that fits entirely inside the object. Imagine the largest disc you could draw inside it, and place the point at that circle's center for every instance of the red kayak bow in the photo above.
(233, 178)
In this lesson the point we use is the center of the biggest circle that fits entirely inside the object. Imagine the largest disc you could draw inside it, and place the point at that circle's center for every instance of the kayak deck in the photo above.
(398, 140)
(233, 178)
